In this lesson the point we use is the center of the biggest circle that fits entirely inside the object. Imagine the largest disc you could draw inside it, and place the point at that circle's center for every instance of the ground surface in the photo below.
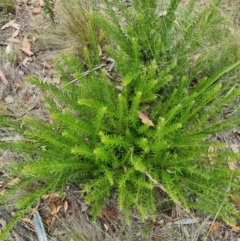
(27, 50)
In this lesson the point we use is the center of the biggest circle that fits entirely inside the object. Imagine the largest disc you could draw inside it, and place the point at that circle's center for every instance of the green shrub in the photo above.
(148, 127)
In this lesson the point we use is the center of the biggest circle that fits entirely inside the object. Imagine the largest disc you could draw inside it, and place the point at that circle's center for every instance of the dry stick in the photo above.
(101, 66)
(34, 107)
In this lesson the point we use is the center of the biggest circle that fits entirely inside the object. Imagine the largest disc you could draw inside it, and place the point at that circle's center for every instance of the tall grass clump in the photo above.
(147, 128)
(78, 30)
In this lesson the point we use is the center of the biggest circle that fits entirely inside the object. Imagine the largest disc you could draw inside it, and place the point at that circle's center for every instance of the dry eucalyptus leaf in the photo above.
(7, 25)
(237, 202)
(13, 182)
(27, 51)
(25, 43)
(2, 76)
(24, 62)
(14, 40)
(15, 25)
(144, 118)
(197, 56)
(215, 226)
(15, 33)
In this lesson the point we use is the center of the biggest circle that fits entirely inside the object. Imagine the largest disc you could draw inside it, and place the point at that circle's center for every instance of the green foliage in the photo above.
(95, 138)
(49, 9)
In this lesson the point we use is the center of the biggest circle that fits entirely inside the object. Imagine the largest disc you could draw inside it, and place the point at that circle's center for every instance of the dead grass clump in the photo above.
(76, 28)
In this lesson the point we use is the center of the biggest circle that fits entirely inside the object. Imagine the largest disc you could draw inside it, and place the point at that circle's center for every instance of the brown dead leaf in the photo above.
(237, 202)
(45, 196)
(15, 34)
(65, 205)
(25, 43)
(24, 62)
(215, 226)
(37, 10)
(58, 208)
(109, 213)
(53, 208)
(2, 76)
(27, 51)
(157, 239)
(15, 25)
(197, 56)
(236, 228)
(48, 220)
(144, 118)
(105, 226)
(13, 182)
(14, 40)
(7, 25)
(18, 85)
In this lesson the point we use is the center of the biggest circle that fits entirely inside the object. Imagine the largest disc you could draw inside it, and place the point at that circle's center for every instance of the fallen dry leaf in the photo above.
(109, 213)
(2, 76)
(18, 85)
(65, 205)
(27, 51)
(53, 208)
(37, 10)
(157, 239)
(144, 118)
(215, 226)
(15, 34)
(25, 43)
(13, 182)
(24, 62)
(7, 25)
(105, 227)
(14, 40)
(15, 25)
(197, 56)
(59, 207)
(237, 202)
(236, 228)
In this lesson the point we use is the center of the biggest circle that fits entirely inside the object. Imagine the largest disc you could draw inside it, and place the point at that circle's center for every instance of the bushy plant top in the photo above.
(145, 129)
